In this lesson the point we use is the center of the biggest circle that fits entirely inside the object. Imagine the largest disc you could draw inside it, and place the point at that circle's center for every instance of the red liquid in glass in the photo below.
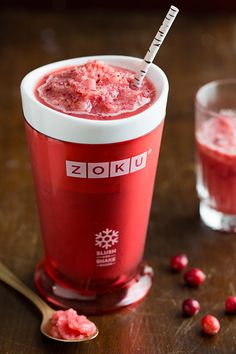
(216, 148)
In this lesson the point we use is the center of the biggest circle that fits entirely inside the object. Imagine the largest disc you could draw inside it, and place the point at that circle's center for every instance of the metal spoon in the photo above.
(9, 278)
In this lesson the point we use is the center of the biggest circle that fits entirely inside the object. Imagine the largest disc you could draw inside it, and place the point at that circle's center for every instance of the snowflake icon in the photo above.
(106, 238)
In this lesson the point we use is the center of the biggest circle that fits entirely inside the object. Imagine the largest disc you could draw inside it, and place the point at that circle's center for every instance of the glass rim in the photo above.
(219, 82)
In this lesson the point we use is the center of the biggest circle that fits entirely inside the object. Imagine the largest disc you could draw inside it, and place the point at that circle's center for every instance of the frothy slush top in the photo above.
(219, 133)
(92, 129)
(95, 89)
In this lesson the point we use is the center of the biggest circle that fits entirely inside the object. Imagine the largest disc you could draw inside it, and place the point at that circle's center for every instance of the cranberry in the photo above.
(179, 262)
(190, 307)
(194, 277)
(210, 325)
(230, 304)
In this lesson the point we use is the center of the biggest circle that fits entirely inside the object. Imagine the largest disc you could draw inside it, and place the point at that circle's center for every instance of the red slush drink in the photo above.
(94, 162)
(216, 146)
(215, 113)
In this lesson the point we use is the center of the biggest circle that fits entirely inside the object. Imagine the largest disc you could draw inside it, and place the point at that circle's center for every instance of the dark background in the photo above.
(200, 47)
(185, 5)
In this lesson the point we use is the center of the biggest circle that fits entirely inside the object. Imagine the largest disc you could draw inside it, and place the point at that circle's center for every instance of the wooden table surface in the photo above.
(200, 48)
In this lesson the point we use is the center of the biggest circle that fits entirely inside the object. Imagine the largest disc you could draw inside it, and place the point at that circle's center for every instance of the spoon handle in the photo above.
(9, 278)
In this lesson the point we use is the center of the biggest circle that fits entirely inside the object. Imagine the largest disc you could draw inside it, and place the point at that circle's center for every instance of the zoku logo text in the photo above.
(106, 169)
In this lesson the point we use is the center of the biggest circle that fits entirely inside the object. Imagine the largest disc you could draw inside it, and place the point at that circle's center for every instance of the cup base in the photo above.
(129, 293)
(217, 220)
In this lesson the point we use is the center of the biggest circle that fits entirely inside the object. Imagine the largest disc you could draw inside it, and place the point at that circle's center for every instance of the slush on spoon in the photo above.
(64, 326)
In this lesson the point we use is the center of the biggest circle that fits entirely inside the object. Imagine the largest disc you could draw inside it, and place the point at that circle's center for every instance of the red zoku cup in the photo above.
(94, 183)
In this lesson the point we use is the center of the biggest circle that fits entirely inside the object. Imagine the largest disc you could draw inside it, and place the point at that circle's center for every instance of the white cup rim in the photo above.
(65, 127)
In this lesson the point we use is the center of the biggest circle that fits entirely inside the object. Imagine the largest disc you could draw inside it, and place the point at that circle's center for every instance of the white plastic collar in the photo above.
(86, 131)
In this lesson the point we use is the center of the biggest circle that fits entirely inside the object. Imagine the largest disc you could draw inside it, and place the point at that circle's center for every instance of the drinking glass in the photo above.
(94, 183)
(215, 112)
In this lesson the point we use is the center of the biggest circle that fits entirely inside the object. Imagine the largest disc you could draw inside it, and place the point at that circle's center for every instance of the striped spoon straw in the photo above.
(155, 45)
